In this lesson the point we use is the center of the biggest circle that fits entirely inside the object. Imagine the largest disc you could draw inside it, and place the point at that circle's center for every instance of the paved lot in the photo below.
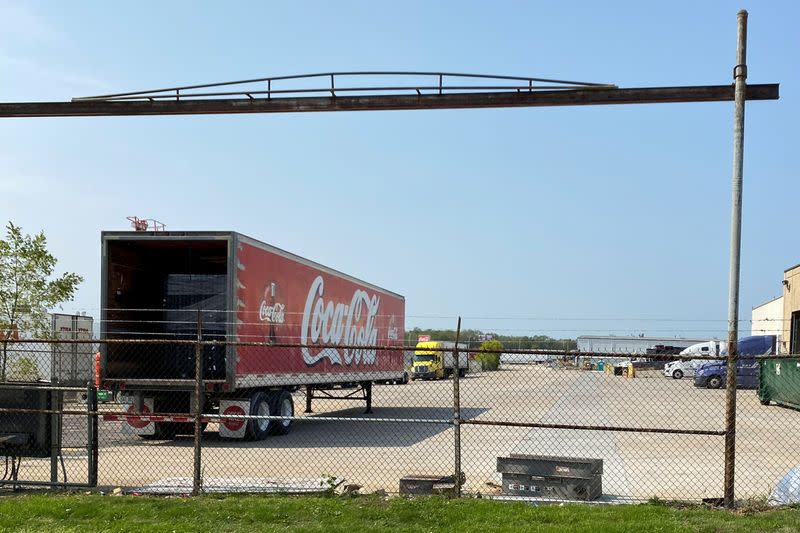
(376, 454)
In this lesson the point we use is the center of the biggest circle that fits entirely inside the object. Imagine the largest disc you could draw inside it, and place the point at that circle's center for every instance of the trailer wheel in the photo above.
(462, 372)
(259, 428)
(283, 405)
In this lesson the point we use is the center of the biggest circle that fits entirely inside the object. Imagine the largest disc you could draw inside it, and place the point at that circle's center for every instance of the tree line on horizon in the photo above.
(474, 338)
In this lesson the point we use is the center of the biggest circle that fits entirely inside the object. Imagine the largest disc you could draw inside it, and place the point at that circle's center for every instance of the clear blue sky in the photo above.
(605, 218)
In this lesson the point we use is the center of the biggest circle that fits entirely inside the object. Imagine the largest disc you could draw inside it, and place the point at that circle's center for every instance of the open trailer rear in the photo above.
(161, 285)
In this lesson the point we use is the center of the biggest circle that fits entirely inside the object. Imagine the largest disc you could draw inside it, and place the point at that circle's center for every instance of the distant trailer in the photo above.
(526, 358)
(630, 344)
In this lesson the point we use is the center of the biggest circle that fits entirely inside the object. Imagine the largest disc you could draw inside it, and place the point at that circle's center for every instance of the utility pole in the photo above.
(740, 90)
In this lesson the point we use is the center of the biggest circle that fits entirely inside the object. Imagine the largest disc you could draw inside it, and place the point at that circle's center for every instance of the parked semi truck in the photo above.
(435, 360)
(686, 367)
(713, 374)
(160, 285)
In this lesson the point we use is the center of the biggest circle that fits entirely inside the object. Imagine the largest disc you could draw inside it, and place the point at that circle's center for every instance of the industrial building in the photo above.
(630, 344)
(790, 340)
(767, 319)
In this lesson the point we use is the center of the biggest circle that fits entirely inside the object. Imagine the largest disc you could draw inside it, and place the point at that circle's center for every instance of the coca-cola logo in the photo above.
(333, 323)
(275, 313)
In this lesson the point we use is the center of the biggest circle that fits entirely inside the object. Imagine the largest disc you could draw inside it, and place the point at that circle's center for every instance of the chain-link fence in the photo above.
(184, 416)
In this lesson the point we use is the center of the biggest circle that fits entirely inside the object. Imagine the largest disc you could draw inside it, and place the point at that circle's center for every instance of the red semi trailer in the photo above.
(224, 286)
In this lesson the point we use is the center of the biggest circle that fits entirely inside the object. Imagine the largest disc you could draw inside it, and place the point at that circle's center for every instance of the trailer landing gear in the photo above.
(362, 392)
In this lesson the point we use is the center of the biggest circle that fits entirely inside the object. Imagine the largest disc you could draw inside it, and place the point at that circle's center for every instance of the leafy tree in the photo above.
(23, 369)
(27, 287)
(489, 361)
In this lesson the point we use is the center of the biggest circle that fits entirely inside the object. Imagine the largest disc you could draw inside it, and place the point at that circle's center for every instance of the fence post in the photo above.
(92, 436)
(739, 77)
(57, 407)
(457, 413)
(197, 408)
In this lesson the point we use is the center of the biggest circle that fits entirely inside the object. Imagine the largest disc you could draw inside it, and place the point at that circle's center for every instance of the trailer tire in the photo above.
(462, 372)
(260, 405)
(282, 405)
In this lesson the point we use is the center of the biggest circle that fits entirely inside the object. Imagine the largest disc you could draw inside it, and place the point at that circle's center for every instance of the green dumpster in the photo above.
(779, 382)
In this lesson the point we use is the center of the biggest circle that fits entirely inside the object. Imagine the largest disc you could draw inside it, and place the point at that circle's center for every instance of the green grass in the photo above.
(59, 512)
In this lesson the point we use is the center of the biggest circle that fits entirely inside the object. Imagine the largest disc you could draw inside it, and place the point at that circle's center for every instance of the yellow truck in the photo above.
(434, 360)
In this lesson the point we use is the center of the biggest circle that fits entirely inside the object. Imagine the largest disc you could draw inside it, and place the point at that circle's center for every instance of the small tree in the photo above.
(26, 288)
(489, 361)
(23, 369)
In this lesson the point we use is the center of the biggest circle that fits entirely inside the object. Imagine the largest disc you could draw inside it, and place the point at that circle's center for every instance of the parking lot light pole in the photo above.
(740, 89)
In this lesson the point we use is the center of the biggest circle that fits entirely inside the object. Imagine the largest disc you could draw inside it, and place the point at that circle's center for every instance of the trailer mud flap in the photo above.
(139, 425)
(233, 428)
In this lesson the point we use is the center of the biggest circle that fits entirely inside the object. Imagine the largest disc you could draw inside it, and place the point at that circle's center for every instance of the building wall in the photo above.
(791, 303)
(767, 319)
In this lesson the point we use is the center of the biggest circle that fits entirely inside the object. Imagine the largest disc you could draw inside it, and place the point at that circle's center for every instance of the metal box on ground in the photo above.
(569, 478)
(560, 488)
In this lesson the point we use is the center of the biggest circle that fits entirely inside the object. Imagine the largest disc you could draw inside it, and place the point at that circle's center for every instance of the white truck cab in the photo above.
(679, 369)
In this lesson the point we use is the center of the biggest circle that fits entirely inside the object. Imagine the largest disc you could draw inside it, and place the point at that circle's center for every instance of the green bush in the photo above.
(489, 361)
(23, 369)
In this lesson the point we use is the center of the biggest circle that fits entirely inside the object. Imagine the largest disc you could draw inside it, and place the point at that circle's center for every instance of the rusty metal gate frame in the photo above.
(584, 94)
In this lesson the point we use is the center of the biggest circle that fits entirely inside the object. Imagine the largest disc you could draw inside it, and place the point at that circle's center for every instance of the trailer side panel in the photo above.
(282, 300)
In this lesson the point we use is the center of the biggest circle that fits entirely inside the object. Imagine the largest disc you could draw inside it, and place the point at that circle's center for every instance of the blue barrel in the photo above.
(601, 366)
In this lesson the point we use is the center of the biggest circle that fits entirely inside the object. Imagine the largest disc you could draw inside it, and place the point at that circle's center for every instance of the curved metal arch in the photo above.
(522, 83)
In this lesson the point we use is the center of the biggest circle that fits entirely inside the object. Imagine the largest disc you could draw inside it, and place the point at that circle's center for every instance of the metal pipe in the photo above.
(60, 485)
(456, 413)
(740, 89)
(55, 434)
(332, 89)
(617, 429)
(92, 435)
